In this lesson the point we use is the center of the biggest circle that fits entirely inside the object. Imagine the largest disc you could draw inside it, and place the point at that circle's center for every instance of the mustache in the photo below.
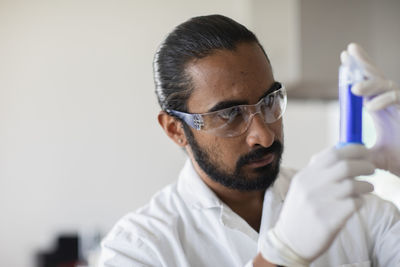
(259, 153)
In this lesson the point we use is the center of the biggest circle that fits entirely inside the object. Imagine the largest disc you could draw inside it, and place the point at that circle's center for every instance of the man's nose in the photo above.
(259, 132)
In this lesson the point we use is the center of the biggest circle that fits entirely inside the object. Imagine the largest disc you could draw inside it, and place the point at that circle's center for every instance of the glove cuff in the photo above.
(277, 252)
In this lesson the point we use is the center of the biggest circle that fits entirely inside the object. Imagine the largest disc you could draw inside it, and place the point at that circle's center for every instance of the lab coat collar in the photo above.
(194, 191)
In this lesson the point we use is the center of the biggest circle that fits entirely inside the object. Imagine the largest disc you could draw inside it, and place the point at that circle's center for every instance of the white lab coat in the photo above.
(185, 224)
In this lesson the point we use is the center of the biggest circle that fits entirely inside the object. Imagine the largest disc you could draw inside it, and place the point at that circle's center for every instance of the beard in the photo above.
(265, 176)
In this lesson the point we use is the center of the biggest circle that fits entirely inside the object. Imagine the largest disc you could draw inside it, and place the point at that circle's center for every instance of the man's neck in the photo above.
(247, 204)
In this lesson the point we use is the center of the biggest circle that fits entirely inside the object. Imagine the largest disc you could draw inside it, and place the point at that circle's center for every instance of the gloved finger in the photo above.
(357, 51)
(332, 155)
(383, 101)
(368, 69)
(354, 188)
(348, 188)
(362, 187)
(373, 87)
(344, 58)
(324, 157)
(362, 58)
(353, 151)
(350, 168)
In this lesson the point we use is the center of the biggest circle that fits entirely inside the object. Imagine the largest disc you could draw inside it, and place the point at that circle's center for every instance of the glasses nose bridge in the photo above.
(254, 110)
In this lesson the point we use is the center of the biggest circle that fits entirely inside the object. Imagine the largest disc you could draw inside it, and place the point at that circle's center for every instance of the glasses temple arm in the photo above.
(193, 120)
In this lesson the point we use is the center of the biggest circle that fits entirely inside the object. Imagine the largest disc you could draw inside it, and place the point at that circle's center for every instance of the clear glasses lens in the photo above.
(235, 121)
(274, 106)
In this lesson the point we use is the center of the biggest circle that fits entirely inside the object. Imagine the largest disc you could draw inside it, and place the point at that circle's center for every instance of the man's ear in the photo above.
(173, 128)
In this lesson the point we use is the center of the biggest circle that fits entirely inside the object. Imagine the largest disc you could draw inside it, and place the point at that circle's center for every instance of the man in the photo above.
(233, 205)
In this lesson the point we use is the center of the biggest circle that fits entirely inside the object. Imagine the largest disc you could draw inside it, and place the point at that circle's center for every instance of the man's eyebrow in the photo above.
(226, 104)
(275, 86)
(231, 103)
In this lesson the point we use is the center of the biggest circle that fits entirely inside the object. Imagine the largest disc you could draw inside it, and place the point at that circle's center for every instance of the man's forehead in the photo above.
(240, 75)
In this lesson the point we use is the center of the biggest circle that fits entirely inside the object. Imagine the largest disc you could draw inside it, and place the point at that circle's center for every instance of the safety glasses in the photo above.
(234, 121)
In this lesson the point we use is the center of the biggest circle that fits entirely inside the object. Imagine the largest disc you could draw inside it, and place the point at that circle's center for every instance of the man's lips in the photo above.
(265, 160)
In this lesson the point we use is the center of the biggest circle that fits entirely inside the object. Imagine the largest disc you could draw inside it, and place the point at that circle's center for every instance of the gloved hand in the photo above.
(382, 100)
(320, 199)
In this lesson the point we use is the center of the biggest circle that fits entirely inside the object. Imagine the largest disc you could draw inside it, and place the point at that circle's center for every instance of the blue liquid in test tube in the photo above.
(350, 105)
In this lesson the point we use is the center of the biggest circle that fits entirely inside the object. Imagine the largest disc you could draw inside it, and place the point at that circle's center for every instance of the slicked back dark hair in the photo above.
(194, 39)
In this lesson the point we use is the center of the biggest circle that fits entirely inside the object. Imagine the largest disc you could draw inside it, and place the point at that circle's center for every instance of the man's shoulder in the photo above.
(140, 236)
(160, 214)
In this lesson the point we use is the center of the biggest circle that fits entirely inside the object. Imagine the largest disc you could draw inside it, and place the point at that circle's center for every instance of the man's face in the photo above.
(226, 78)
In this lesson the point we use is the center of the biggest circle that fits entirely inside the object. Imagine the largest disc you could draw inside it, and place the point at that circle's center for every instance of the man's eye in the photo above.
(229, 113)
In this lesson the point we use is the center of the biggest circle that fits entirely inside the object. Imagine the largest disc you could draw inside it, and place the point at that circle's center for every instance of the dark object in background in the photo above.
(64, 254)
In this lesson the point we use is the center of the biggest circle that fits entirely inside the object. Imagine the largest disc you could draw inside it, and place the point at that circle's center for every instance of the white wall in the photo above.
(79, 141)
(306, 130)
